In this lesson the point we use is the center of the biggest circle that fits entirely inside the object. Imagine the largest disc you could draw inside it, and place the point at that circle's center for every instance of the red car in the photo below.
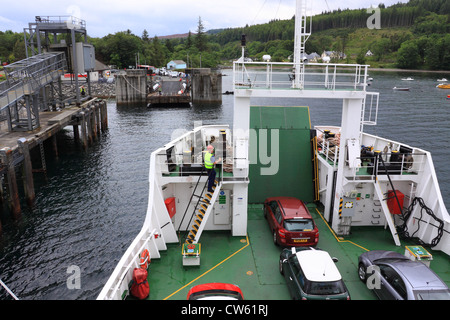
(215, 291)
(290, 222)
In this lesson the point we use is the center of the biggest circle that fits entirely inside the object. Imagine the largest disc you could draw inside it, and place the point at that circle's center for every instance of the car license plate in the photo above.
(300, 240)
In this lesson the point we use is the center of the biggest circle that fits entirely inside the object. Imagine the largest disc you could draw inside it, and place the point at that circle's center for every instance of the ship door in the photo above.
(221, 209)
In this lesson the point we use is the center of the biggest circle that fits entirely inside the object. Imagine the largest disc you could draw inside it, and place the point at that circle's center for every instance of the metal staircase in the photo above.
(200, 215)
(387, 213)
(21, 93)
(383, 200)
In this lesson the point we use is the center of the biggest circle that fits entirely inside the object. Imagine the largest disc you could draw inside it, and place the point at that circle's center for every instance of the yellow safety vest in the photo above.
(208, 163)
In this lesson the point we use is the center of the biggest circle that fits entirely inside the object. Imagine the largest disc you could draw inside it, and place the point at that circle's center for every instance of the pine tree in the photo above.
(200, 37)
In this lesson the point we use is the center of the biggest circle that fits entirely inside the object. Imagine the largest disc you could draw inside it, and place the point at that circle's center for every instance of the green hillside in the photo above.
(413, 35)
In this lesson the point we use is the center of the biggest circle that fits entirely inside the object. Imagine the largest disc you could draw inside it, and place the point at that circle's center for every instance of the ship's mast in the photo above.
(302, 33)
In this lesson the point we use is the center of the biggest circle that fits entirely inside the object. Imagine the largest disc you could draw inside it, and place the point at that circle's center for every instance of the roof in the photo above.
(317, 265)
(99, 66)
(418, 274)
(293, 207)
(178, 61)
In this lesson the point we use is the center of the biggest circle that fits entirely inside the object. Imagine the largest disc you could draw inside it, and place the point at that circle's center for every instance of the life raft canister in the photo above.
(145, 259)
(140, 287)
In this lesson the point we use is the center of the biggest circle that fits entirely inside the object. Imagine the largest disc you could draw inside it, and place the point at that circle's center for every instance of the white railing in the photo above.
(315, 76)
(70, 20)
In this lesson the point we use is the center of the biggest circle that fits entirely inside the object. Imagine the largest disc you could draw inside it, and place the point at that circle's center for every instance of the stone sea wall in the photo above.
(99, 89)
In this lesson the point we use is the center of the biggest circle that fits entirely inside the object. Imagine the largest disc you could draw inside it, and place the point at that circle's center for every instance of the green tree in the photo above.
(361, 58)
(408, 55)
(123, 47)
(200, 38)
(189, 40)
(380, 48)
(145, 35)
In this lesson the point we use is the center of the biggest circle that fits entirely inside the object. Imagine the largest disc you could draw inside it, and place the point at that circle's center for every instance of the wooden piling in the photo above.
(13, 194)
(27, 174)
(89, 124)
(97, 118)
(76, 133)
(104, 115)
(94, 121)
(55, 145)
(83, 130)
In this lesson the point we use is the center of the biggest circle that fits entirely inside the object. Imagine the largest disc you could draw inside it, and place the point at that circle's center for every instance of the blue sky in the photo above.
(163, 17)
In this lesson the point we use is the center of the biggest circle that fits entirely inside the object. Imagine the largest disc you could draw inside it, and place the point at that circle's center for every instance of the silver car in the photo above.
(394, 276)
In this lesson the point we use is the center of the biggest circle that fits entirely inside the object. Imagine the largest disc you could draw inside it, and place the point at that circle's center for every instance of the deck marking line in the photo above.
(248, 243)
(334, 235)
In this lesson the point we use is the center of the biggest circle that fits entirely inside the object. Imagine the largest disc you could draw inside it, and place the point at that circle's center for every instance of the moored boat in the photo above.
(443, 86)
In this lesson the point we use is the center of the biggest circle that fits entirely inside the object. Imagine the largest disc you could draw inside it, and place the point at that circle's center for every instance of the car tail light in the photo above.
(316, 238)
(282, 233)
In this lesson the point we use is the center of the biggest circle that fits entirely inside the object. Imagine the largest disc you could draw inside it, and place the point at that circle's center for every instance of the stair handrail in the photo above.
(192, 195)
(379, 157)
(196, 206)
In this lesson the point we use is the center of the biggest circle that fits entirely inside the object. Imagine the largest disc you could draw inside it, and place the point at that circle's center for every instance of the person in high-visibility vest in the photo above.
(210, 161)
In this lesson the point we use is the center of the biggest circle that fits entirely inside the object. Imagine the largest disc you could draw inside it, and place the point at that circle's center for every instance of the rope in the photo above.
(9, 291)
(133, 86)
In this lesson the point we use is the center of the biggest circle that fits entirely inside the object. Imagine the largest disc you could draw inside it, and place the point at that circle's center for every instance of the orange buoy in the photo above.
(145, 259)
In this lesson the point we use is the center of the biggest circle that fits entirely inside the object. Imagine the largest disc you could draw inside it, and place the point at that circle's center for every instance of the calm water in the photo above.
(93, 203)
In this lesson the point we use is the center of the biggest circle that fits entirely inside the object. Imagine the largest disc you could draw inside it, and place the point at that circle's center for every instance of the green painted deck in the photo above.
(252, 262)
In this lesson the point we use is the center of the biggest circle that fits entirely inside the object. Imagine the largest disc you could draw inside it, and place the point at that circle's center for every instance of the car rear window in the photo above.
(299, 225)
(324, 288)
(432, 295)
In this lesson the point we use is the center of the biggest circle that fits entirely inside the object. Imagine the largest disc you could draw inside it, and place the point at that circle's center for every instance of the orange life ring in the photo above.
(145, 259)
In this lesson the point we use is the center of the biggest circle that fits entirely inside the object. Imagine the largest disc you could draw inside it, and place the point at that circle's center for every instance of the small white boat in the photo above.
(408, 79)
(442, 80)
(400, 89)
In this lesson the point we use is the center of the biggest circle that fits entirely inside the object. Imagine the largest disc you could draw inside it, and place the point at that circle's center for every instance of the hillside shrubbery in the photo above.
(413, 35)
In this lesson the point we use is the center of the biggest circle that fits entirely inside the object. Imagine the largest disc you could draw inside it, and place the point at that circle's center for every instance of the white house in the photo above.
(176, 64)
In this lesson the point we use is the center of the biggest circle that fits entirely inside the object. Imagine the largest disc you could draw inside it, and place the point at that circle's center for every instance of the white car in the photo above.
(311, 274)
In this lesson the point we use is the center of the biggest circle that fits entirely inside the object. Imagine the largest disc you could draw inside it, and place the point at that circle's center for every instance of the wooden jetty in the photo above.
(88, 120)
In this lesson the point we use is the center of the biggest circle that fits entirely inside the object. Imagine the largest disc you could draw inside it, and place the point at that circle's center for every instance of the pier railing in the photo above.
(313, 76)
(29, 75)
(69, 21)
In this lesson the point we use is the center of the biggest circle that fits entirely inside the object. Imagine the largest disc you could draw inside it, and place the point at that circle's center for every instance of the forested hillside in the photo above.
(415, 35)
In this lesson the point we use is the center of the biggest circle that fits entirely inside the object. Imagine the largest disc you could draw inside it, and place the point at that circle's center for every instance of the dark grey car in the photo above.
(393, 276)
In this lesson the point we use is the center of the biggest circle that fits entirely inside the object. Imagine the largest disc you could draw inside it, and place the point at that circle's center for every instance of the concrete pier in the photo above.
(206, 86)
(90, 118)
(131, 87)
